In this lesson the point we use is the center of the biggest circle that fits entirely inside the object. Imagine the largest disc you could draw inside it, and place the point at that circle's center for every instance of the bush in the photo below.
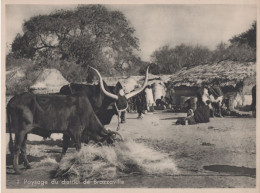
(241, 53)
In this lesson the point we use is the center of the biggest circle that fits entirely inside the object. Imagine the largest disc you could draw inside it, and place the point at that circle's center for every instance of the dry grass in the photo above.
(109, 162)
(36, 150)
(46, 162)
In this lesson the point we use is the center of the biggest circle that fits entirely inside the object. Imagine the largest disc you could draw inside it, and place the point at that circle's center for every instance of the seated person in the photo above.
(200, 115)
(161, 102)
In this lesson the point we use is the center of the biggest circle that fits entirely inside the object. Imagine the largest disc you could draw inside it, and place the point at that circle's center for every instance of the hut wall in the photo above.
(248, 84)
(247, 100)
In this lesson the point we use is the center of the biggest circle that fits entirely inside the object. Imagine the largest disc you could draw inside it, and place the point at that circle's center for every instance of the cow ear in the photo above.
(105, 85)
(118, 87)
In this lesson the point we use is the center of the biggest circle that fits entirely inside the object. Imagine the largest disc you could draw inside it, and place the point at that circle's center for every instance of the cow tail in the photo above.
(11, 143)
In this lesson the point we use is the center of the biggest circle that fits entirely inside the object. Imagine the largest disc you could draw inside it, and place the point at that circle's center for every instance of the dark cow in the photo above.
(105, 100)
(101, 103)
(46, 114)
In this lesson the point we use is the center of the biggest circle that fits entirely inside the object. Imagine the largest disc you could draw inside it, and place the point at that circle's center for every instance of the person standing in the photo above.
(140, 104)
(149, 98)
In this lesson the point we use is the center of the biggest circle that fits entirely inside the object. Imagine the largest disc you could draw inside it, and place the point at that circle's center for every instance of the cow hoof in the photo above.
(18, 172)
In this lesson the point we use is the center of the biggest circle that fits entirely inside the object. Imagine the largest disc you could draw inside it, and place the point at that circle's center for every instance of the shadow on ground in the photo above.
(243, 171)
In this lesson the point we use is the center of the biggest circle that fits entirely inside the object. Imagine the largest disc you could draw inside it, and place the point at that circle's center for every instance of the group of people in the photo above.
(144, 102)
(209, 105)
(207, 100)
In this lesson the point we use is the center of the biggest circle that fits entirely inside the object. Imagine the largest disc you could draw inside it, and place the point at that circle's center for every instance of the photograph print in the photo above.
(129, 96)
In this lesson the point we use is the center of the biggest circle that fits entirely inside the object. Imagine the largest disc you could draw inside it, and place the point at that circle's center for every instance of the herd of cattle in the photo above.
(79, 112)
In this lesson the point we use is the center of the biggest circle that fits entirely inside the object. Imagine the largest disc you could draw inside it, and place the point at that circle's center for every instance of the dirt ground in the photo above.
(218, 154)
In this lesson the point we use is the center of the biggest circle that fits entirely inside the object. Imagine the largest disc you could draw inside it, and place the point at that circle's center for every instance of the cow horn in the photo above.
(131, 94)
(113, 96)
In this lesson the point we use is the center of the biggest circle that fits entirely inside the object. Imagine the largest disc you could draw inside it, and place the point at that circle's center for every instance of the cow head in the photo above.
(119, 89)
(203, 97)
(104, 136)
(116, 89)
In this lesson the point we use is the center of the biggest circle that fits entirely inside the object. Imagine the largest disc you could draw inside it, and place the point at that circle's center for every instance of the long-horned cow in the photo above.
(105, 100)
(46, 114)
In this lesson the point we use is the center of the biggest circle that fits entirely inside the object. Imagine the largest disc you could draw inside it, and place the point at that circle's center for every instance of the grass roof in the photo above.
(225, 73)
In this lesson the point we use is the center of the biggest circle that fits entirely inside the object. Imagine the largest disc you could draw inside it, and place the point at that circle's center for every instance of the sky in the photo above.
(159, 25)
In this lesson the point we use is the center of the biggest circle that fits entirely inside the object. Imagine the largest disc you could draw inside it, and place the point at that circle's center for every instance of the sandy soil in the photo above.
(221, 153)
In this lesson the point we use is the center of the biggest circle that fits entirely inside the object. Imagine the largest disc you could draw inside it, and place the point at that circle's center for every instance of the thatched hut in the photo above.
(48, 81)
(235, 78)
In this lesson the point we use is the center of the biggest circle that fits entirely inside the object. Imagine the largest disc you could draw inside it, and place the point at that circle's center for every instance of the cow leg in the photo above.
(66, 142)
(16, 155)
(212, 112)
(77, 142)
(219, 109)
(122, 117)
(211, 108)
(24, 155)
(19, 138)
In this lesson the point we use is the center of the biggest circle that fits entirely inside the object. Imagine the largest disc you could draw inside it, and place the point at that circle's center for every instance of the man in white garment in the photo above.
(149, 98)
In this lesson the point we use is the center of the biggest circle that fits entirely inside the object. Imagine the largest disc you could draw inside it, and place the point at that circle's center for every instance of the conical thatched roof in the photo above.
(49, 81)
(225, 73)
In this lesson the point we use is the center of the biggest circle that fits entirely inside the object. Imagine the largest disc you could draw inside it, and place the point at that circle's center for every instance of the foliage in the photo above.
(89, 35)
(220, 53)
(241, 48)
(241, 53)
(170, 60)
(246, 38)
(153, 68)
(28, 73)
